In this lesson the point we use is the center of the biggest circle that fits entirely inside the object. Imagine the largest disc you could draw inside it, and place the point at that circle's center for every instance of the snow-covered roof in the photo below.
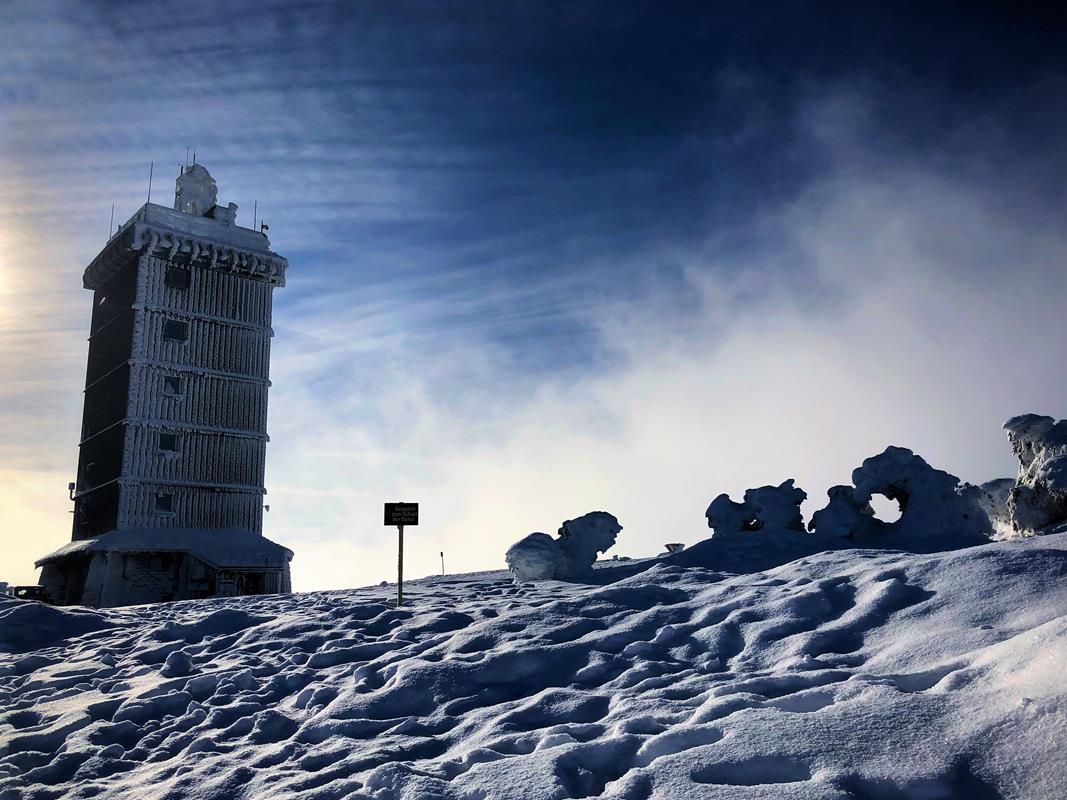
(220, 548)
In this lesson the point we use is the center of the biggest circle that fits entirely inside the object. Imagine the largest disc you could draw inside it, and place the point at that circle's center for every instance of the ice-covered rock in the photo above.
(775, 508)
(582, 539)
(536, 557)
(725, 517)
(778, 507)
(764, 530)
(993, 496)
(1039, 498)
(937, 513)
(570, 555)
(843, 517)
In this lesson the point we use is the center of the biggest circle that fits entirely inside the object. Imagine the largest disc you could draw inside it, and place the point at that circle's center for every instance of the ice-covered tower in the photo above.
(168, 503)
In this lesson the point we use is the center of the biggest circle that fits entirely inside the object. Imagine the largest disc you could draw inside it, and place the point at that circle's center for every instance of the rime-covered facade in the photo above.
(169, 497)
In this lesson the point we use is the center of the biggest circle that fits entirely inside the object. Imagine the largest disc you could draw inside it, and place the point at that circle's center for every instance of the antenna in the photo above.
(194, 157)
(111, 225)
(186, 156)
(255, 211)
(151, 169)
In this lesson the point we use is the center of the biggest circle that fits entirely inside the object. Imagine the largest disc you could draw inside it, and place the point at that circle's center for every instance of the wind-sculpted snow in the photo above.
(847, 674)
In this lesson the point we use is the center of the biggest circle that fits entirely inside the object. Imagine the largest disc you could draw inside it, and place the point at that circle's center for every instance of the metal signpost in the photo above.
(401, 514)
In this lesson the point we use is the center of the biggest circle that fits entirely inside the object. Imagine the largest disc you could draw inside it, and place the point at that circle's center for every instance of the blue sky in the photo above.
(551, 257)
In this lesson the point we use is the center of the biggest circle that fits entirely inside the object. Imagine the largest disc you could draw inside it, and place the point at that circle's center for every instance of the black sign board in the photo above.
(401, 513)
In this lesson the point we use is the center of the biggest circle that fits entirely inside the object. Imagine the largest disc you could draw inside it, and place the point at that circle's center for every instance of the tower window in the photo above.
(175, 331)
(168, 442)
(172, 386)
(165, 503)
(177, 278)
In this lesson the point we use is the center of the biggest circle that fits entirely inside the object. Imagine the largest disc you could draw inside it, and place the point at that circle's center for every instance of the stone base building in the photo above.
(130, 567)
(168, 504)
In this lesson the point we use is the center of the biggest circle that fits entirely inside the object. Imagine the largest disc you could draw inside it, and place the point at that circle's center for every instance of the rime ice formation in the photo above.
(936, 512)
(727, 518)
(767, 528)
(847, 674)
(843, 516)
(1039, 498)
(570, 556)
(762, 531)
(535, 557)
(583, 538)
(778, 507)
(993, 497)
(764, 508)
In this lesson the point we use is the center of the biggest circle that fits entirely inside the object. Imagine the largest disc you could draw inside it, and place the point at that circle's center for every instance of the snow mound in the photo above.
(570, 556)
(850, 673)
(1039, 499)
(29, 625)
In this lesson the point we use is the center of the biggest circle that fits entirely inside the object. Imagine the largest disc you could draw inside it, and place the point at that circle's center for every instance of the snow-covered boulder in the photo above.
(764, 530)
(583, 538)
(844, 516)
(726, 518)
(767, 528)
(994, 496)
(774, 508)
(536, 557)
(1039, 498)
(570, 556)
(937, 513)
(778, 507)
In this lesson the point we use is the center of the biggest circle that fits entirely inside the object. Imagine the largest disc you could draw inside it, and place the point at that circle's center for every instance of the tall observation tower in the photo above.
(168, 503)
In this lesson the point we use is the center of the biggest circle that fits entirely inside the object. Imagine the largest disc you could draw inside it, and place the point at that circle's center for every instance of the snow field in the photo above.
(847, 674)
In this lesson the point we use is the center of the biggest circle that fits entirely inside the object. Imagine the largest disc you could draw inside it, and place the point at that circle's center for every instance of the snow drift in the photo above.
(849, 674)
